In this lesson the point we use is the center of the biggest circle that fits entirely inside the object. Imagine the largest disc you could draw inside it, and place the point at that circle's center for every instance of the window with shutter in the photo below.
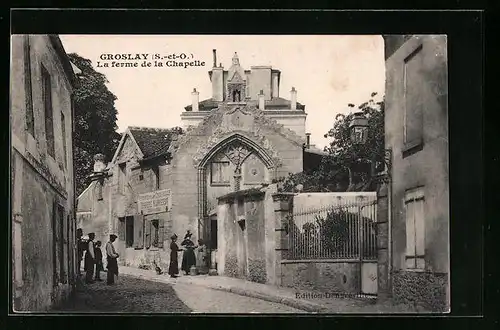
(48, 111)
(55, 276)
(62, 244)
(414, 83)
(148, 234)
(155, 232)
(139, 231)
(129, 231)
(161, 232)
(121, 229)
(415, 229)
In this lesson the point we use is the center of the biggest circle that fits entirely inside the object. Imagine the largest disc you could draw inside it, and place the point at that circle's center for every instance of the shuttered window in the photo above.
(59, 274)
(129, 231)
(30, 118)
(138, 231)
(415, 229)
(161, 232)
(121, 229)
(148, 234)
(63, 132)
(155, 237)
(414, 82)
(219, 174)
(49, 112)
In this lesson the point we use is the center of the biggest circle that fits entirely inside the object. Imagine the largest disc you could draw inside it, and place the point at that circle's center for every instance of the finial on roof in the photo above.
(236, 61)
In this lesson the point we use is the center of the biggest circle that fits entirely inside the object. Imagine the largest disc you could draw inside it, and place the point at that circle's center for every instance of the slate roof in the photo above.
(273, 104)
(153, 141)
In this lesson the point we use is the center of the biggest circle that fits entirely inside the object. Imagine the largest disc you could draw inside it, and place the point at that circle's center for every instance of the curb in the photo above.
(295, 303)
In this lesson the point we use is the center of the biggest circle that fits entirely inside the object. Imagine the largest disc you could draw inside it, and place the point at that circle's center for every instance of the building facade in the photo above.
(416, 129)
(42, 187)
(166, 181)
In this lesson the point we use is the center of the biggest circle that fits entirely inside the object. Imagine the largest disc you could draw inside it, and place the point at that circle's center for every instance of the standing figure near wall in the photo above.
(90, 260)
(173, 269)
(188, 257)
(80, 248)
(111, 257)
(201, 257)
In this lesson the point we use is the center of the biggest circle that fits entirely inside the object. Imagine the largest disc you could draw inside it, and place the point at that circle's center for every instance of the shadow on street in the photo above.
(128, 295)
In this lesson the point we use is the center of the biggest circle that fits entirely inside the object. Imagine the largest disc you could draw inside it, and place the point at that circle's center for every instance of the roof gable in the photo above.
(127, 140)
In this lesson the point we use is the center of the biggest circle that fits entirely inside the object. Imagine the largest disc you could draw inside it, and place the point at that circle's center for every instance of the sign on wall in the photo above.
(154, 202)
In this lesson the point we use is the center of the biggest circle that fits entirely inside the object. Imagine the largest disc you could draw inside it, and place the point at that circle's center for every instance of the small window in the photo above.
(414, 83)
(220, 174)
(63, 132)
(129, 231)
(415, 229)
(122, 177)
(155, 232)
(30, 118)
(49, 113)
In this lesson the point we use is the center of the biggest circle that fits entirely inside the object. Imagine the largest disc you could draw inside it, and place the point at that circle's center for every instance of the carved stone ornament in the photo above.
(237, 153)
(228, 120)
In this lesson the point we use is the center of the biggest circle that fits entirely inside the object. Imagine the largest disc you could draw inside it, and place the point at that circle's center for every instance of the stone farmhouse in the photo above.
(163, 181)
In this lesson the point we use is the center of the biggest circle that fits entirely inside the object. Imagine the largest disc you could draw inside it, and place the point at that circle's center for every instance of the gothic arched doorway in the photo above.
(237, 163)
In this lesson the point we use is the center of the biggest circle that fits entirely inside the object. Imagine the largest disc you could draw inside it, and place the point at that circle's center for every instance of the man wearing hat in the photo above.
(112, 257)
(90, 260)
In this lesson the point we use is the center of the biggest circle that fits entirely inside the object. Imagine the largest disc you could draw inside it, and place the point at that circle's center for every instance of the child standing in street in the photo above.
(98, 261)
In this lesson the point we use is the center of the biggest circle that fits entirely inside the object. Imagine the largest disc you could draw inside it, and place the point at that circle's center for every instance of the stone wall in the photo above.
(423, 289)
(324, 276)
(242, 236)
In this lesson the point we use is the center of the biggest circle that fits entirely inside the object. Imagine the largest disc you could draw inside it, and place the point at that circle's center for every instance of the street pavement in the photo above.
(205, 300)
(143, 291)
(135, 295)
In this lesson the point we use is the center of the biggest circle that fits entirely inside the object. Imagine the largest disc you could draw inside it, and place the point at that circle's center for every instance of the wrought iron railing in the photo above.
(346, 231)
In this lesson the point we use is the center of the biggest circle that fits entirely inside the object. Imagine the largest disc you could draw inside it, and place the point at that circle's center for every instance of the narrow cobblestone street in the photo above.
(132, 295)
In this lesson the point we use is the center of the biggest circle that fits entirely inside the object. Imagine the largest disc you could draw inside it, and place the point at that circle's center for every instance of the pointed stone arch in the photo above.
(267, 156)
(211, 150)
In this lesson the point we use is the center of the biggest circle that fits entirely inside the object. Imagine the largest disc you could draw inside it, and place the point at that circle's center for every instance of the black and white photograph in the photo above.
(235, 174)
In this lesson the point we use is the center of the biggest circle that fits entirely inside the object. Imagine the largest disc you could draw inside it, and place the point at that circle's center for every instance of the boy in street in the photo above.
(98, 261)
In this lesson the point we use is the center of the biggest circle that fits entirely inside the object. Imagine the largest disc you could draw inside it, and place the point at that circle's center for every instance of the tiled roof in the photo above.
(205, 105)
(274, 103)
(153, 141)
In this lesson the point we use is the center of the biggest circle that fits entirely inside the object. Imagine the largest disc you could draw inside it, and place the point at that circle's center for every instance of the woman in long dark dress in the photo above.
(173, 268)
(188, 257)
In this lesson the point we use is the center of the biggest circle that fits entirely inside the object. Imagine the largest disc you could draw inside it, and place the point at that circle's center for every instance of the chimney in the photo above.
(261, 100)
(308, 140)
(275, 84)
(196, 99)
(99, 165)
(214, 51)
(293, 93)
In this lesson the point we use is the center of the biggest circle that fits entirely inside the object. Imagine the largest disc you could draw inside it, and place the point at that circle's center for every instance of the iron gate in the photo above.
(345, 232)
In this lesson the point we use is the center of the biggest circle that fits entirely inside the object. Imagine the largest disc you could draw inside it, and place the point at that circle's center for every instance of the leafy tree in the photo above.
(95, 120)
(348, 166)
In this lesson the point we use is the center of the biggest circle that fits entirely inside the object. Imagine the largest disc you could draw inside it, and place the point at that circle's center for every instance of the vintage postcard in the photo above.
(230, 174)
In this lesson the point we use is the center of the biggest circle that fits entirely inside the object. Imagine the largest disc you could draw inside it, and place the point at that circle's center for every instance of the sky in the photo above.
(328, 72)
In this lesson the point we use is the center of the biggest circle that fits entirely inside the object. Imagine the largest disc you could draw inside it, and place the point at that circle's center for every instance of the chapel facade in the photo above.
(166, 181)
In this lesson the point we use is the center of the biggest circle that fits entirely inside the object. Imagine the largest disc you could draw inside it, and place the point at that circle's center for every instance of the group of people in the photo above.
(188, 258)
(91, 253)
